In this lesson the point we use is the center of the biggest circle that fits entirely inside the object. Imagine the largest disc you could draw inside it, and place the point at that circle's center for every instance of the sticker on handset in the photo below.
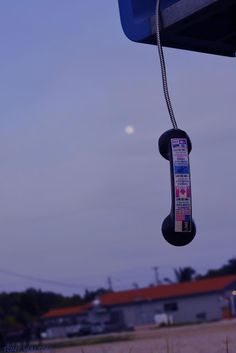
(183, 207)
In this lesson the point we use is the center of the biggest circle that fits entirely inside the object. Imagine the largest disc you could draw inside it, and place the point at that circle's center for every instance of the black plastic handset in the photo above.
(178, 227)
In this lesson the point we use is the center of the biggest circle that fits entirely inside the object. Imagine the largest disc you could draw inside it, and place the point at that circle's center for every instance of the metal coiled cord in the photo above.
(163, 67)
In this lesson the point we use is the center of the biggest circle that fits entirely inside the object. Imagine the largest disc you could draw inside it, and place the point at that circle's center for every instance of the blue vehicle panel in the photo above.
(136, 17)
(206, 26)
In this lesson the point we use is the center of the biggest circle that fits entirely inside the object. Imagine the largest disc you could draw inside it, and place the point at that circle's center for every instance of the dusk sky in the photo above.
(81, 199)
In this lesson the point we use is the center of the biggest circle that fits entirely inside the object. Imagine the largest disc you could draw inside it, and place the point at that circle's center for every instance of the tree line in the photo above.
(186, 274)
(19, 309)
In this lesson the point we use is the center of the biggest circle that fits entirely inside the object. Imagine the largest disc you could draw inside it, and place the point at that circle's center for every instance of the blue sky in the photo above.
(80, 199)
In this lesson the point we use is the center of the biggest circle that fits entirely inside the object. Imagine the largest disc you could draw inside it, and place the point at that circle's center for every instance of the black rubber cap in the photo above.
(177, 238)
(164, 141)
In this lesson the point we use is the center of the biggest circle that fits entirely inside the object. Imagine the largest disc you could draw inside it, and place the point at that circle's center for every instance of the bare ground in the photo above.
(217, 337)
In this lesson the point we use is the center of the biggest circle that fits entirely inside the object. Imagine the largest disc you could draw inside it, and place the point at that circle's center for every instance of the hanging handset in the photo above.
(178, 227)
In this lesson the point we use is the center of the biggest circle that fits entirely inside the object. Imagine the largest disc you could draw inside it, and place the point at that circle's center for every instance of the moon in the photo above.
(129, 129)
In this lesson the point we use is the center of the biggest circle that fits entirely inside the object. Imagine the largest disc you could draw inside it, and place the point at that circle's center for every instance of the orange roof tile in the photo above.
(153, 293)
(73, 310)
(168, 291)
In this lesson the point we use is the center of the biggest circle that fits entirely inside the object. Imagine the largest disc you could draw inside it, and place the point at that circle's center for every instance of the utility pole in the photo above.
(157, 281)
(135, 285)
(109, 282)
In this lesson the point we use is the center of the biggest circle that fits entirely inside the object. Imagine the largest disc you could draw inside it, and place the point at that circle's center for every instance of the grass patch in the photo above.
(90, 341)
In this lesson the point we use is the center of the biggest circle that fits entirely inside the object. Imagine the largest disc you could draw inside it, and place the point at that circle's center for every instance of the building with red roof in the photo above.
(188, 302)
(69, 311)
(200, 300)
(168, 291)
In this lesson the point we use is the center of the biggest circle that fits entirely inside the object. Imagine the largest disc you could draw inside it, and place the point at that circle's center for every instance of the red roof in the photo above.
(168, 291)
(73, 310)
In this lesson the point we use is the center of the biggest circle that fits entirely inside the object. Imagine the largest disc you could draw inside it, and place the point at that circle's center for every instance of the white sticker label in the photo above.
(182, 185)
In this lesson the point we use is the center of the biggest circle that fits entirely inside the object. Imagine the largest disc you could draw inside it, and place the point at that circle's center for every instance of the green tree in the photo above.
(227, 269)
(184, 274)
(91, 295)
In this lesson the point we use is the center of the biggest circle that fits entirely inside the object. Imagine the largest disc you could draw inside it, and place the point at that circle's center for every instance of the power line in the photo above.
(43, 280)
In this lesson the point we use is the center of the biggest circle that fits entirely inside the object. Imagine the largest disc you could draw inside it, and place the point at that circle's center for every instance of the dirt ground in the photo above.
(219, 337)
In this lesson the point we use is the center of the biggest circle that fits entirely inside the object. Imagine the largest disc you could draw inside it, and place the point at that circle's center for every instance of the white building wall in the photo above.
(190, 309)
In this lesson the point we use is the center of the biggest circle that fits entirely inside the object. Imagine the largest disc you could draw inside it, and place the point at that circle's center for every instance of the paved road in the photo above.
(204, 338)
